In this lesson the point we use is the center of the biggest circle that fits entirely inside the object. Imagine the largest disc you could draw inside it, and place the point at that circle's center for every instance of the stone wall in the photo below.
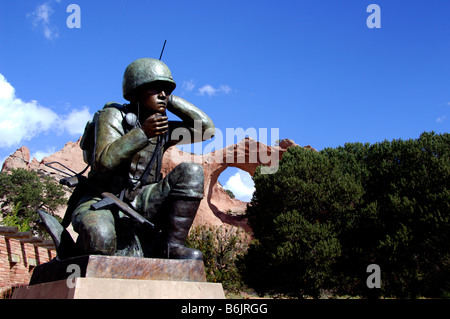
(20, 253)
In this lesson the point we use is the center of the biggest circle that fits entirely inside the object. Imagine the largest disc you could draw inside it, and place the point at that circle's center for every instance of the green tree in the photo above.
(221, 247)
(22, 192)
(409, 185)
(297, 245)
(230, 193)
(386, 203)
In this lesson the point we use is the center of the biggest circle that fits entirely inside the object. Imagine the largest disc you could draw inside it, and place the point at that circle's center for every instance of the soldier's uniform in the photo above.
(127, 163)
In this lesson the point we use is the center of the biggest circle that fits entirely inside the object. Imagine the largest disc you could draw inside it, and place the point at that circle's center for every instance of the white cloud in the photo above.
(41, 19)
(6, 90)
(21, 121)
(39, 155)
(210, 90)
(2, 160)
(207, 89)
(224, 89)
(42, 13)
(441, 119)
(188, 85)
(75, 122)
(242, 186)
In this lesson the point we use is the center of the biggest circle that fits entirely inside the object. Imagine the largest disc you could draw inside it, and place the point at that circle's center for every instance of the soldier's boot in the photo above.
(181, 214)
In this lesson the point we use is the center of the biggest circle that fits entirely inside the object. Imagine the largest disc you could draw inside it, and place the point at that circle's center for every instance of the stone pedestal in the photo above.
(112, 277)
(103, 288)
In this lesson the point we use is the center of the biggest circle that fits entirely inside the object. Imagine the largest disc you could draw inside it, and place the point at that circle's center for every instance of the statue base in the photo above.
(113, 277)
(103, 288)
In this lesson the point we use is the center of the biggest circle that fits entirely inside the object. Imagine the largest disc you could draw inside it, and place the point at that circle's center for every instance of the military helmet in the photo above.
(145, 71)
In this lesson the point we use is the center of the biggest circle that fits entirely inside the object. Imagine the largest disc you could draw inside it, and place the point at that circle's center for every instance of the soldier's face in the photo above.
(154, 98)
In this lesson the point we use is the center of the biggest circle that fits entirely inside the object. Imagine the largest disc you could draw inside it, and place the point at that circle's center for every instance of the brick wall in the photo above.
(19, 255)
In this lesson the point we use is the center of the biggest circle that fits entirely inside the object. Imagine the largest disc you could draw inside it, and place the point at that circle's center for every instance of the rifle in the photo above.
(108, 200)
(111, 200)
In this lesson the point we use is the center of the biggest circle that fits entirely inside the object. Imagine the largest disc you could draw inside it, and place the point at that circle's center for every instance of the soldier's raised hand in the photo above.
(154, 125)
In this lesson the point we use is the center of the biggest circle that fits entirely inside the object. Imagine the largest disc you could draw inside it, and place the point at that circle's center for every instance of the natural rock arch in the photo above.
(246, 155)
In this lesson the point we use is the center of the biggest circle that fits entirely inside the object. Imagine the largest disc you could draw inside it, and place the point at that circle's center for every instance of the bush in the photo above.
(221, 247)
(341, 209)
(230, 193)
(22, 192)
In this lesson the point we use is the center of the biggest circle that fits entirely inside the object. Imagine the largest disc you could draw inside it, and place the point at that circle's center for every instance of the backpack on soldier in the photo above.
(89, 138)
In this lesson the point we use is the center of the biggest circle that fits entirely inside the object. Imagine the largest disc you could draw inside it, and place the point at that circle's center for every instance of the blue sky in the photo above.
(312, 69)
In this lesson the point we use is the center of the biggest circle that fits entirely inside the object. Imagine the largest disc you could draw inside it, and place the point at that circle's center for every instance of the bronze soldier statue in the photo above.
(129, 143)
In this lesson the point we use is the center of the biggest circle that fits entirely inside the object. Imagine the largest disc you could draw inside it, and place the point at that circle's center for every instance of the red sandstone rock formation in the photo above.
(246, 155)
(70, 156)
(19, 159)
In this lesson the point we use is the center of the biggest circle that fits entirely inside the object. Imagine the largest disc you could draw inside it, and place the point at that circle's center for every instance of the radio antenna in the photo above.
(162, 51)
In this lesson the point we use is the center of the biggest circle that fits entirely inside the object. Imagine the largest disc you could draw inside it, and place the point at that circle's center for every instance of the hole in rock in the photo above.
(238, 183)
